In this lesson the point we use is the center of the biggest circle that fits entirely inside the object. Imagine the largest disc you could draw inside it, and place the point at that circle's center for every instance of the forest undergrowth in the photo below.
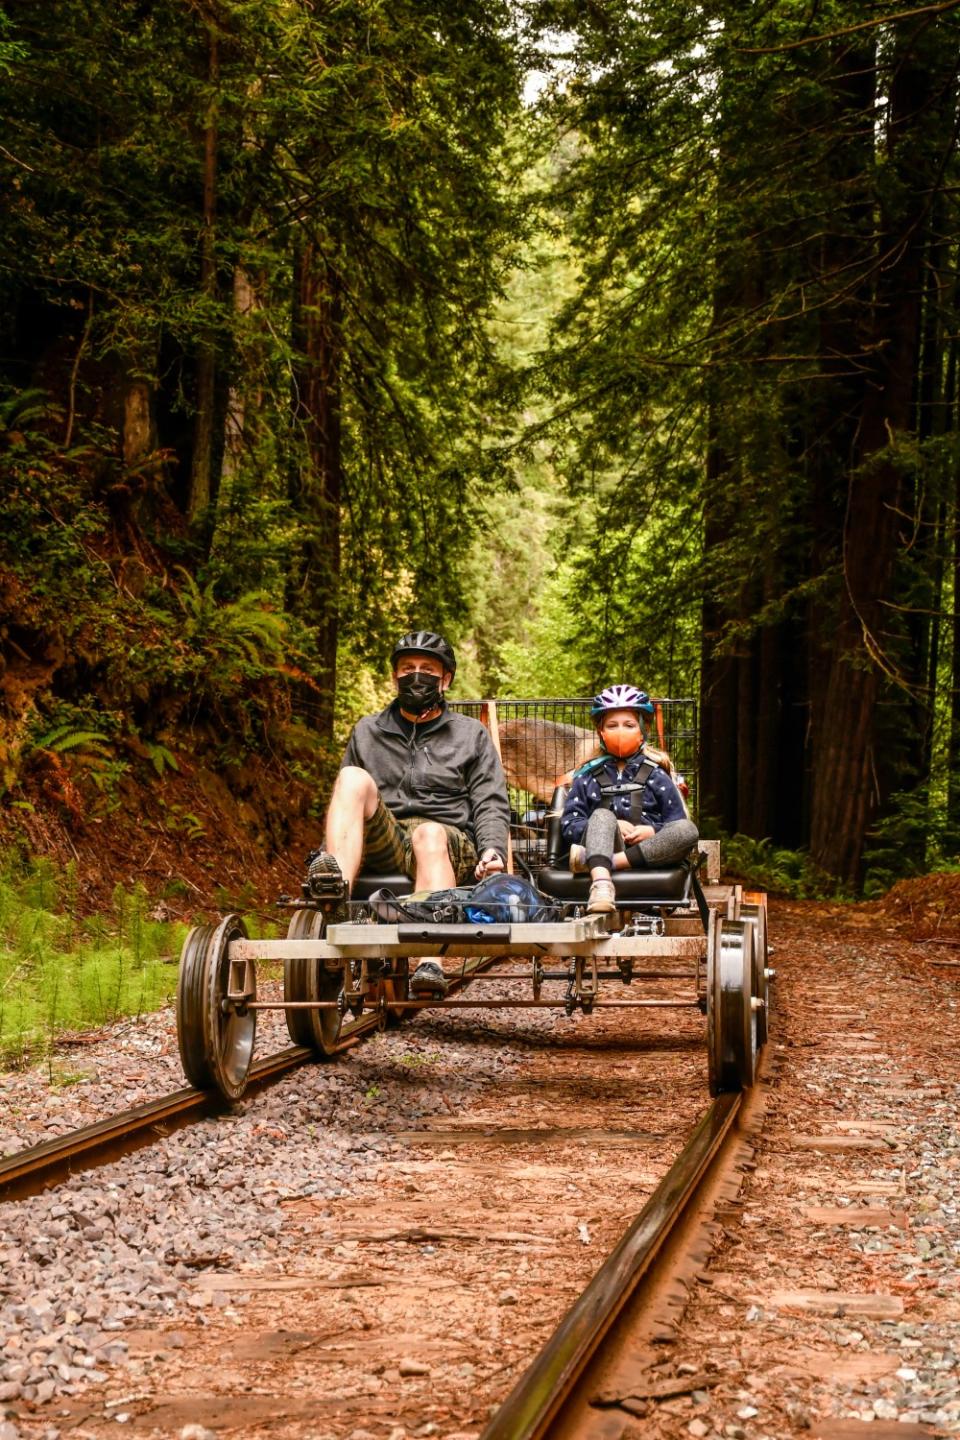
(63, 973)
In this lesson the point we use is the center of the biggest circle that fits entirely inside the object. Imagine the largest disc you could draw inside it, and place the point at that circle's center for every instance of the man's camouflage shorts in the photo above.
(387, 847)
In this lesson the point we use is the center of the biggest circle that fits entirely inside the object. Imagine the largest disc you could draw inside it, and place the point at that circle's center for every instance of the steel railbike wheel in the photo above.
(756, 915)
(731, 1016)
(215, 1034)
(310, 980)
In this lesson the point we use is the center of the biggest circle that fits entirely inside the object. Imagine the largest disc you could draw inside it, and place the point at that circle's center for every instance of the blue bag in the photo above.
(508, 900)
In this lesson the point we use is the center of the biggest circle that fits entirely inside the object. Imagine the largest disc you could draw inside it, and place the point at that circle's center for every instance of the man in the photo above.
(421, 789)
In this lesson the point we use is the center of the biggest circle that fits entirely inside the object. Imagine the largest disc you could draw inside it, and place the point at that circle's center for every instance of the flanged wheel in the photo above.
(215, 1034)
(731, 1016)
(756, 915)
(307, 979)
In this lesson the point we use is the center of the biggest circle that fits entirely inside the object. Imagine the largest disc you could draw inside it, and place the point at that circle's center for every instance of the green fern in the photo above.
(26, 408)
(161, 758)
(63, 738)
(783, 872)
(193, 825)
(245, 630)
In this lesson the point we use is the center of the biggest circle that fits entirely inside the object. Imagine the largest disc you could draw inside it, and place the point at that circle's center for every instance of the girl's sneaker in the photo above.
(603, 898)
(578, 859)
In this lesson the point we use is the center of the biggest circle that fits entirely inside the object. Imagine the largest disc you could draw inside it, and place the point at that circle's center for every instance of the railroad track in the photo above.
(577, 1135)
(52, 1161)
(572, 1386)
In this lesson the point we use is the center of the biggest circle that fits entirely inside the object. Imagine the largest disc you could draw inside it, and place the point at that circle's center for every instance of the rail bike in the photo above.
(675, 941)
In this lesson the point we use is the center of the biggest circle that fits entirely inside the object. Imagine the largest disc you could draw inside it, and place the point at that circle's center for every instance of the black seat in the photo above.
(667, 885)
(364, 885)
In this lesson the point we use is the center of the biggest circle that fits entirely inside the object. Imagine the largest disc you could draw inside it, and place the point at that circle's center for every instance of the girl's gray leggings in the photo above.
(671, 843)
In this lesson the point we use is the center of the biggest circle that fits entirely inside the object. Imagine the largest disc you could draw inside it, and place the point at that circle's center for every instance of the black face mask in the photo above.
(418, 693)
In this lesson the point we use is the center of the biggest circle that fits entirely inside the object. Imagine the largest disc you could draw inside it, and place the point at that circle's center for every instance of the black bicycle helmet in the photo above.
(425, 642)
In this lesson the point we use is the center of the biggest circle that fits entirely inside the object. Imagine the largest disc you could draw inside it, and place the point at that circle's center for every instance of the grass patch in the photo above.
(414, 1059)
(59, 973)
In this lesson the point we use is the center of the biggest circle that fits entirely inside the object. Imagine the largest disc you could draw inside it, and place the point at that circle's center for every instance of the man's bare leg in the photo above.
(353, 801)
(433, 872)
(431, 857)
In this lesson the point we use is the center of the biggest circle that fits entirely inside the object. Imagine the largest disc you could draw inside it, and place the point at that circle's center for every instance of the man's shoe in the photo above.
(324, 880)
(603, 898)
(578, 859)
(428, 979)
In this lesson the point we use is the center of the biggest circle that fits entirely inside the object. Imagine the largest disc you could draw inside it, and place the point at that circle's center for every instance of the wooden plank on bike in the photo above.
(352, 936)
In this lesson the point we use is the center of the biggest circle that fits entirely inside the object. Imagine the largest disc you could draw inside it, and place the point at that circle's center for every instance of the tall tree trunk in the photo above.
(238, 398)
(752, 772)
(317, 480)
(844, 251)
(923, 626)
(720, 678)
(718, 672)
(847, 794)
(201, 476)
(953, 521)
(139, 423)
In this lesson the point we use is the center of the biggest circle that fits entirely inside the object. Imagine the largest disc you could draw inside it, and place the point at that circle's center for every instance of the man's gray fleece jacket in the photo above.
(451, 773)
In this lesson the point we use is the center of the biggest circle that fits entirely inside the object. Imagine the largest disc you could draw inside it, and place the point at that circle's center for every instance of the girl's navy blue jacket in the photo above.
(660, 799)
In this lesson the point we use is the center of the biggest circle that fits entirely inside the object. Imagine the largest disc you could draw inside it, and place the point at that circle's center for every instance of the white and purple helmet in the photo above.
(621, 697)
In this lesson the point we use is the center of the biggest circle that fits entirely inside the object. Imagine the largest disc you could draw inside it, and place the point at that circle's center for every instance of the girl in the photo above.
(627, 831)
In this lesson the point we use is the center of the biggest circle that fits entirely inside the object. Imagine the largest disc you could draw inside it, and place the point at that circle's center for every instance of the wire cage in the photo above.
(543, 741)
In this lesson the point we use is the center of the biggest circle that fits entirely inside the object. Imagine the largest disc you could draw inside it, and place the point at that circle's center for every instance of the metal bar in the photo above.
(490, 712)
(444, 1004)
(350, 934)
(477, 1005)
(652, 947)
(292, 1005)
(601, 975)
(537, 1397)
(418, 933)
(521, 1005)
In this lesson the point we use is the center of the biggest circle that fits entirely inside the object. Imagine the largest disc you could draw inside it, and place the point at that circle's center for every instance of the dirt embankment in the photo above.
(924, 907)
(194, 838)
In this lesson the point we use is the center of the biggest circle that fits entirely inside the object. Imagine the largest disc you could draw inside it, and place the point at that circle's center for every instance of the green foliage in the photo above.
(363, 227)
(361, 689)
(310, 334)
(418, 1059)
(58, 973)
(161, 758)
(761, 224)
(222, 643)
(10, 51)
(63, 738)
(916, 835)
(21, 415)
(765, 866)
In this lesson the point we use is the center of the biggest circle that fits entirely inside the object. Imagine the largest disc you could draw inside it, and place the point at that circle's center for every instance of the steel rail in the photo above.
(540, 1393)
(93, 1143)
(42, 1165)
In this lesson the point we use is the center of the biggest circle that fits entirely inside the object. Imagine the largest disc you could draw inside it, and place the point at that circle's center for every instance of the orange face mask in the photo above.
(622, 743)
